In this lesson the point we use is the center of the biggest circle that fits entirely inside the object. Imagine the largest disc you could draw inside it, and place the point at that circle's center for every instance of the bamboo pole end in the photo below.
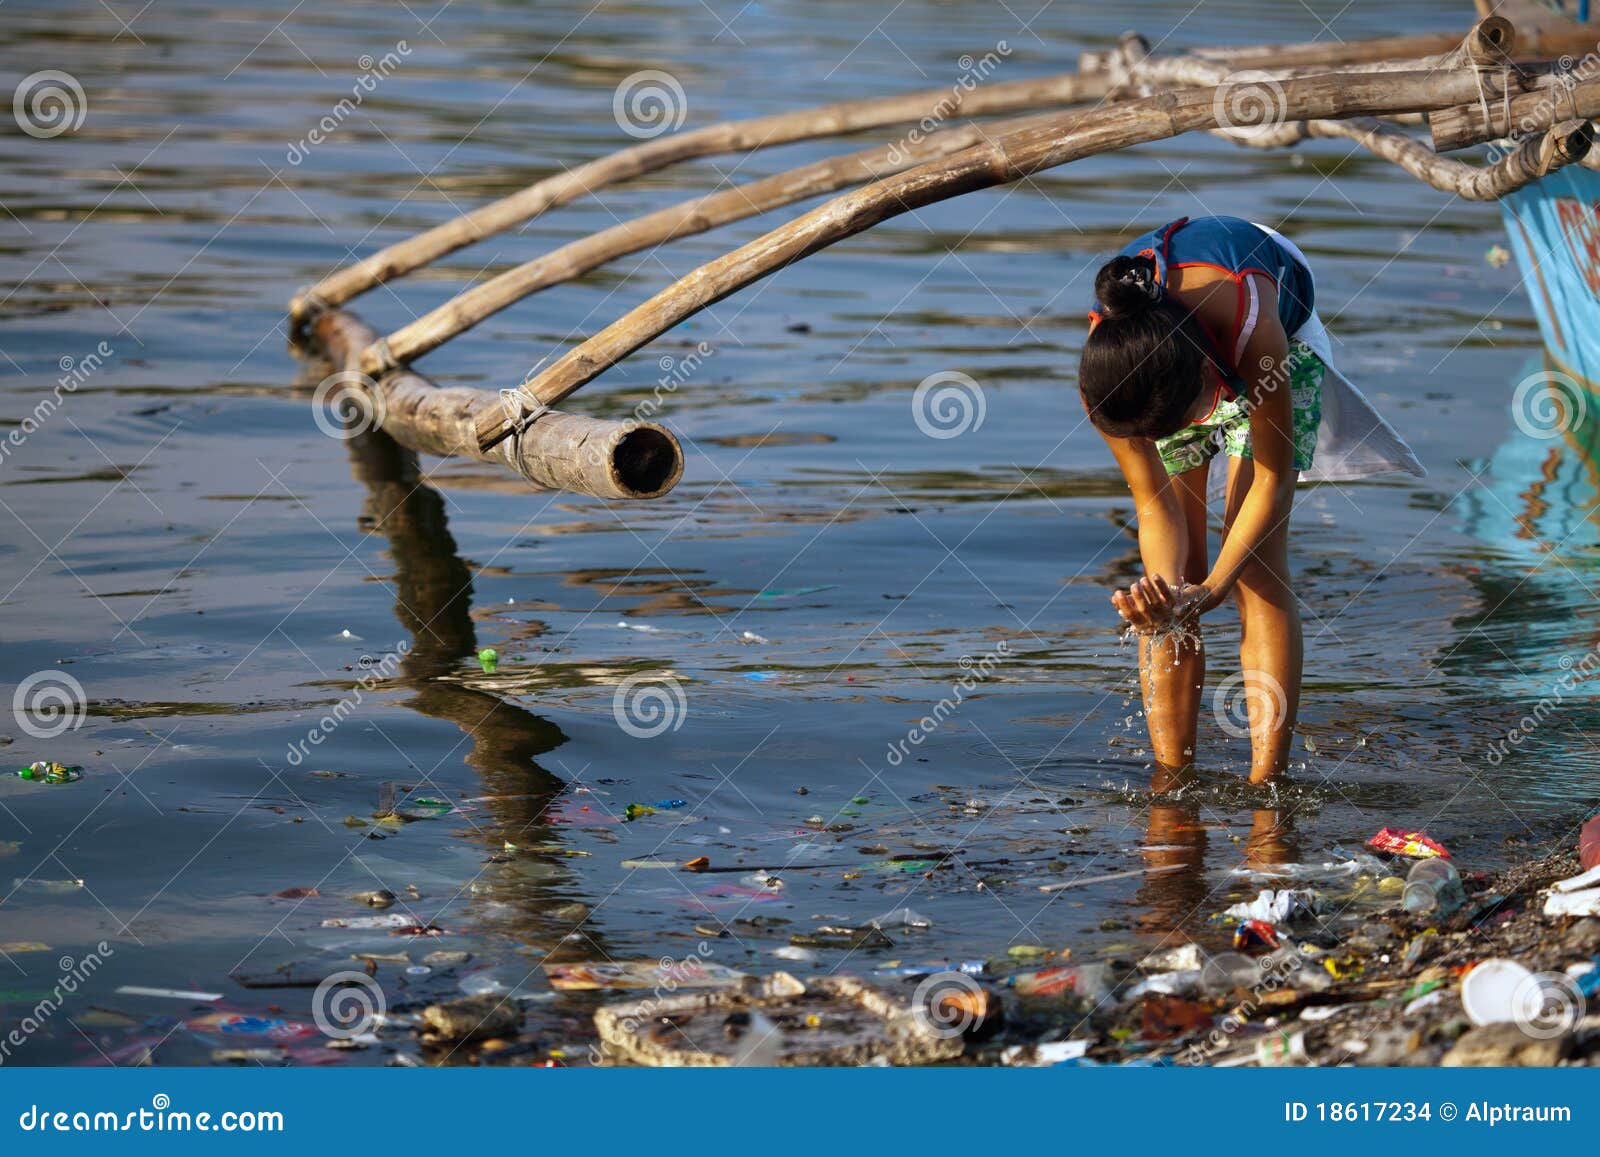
(646, 460)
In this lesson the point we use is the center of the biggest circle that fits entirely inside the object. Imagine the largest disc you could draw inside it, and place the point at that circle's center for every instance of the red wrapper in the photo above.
(1417, 845)
(1589, 843)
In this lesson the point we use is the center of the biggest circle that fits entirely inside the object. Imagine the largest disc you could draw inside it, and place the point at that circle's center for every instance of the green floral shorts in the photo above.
(1228, 427)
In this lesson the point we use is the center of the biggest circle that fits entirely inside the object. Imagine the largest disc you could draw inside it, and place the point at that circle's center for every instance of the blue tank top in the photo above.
(1237, 248)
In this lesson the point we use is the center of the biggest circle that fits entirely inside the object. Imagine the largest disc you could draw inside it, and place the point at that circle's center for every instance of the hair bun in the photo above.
(1127, 285)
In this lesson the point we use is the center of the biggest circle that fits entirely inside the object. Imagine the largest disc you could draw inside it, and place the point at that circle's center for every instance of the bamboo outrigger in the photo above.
(1502, 80)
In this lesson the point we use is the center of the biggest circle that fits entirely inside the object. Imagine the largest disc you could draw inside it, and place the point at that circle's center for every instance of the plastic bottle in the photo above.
(1433, 888)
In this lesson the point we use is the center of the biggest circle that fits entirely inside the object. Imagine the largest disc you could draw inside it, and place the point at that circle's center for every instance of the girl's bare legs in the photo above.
(1271, 650)
(1172, 673)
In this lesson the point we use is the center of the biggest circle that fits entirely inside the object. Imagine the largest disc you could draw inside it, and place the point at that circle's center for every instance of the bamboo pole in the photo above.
(1488, 119)
(1490, 43)
(1057, 140)
(1490, 40)
(711, 140)
(1538, 40)
(825, 121)
(1565, 144)
(600, 458)
(684, 219)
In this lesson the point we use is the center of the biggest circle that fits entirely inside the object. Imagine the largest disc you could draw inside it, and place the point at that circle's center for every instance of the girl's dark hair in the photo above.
(1142, 365)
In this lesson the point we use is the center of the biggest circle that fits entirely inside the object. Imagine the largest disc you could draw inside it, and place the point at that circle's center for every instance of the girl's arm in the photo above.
(1163, 534)
(1264, 367)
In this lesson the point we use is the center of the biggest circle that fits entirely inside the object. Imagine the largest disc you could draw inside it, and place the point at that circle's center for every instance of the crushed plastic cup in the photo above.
(1496, 991)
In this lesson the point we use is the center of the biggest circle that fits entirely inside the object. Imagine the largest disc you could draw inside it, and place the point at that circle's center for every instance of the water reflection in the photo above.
(1535, 636)
(528, 883)
(1176, 836)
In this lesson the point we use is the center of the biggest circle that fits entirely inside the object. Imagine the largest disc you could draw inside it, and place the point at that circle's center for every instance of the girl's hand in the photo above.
(1151, 605)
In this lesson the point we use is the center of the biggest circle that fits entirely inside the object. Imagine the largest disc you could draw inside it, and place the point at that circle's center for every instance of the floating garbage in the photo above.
(1589, 879)
(1277, 907)
(1585, 903)
(1499, 990)
(243, 1024)
(1416, 845)
(833, 936)
(53, 887)
(1362, 865)
(901, 918)
(1180, 959)
(1434, 889)
(1255, 934)
(394, 920)
(489, 660)
(421, 807)
(1281, 1048)
(49, 771)
(1091, 982)
(641, 974)
(470, 1018)
(827, 1021)
(169, 993)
